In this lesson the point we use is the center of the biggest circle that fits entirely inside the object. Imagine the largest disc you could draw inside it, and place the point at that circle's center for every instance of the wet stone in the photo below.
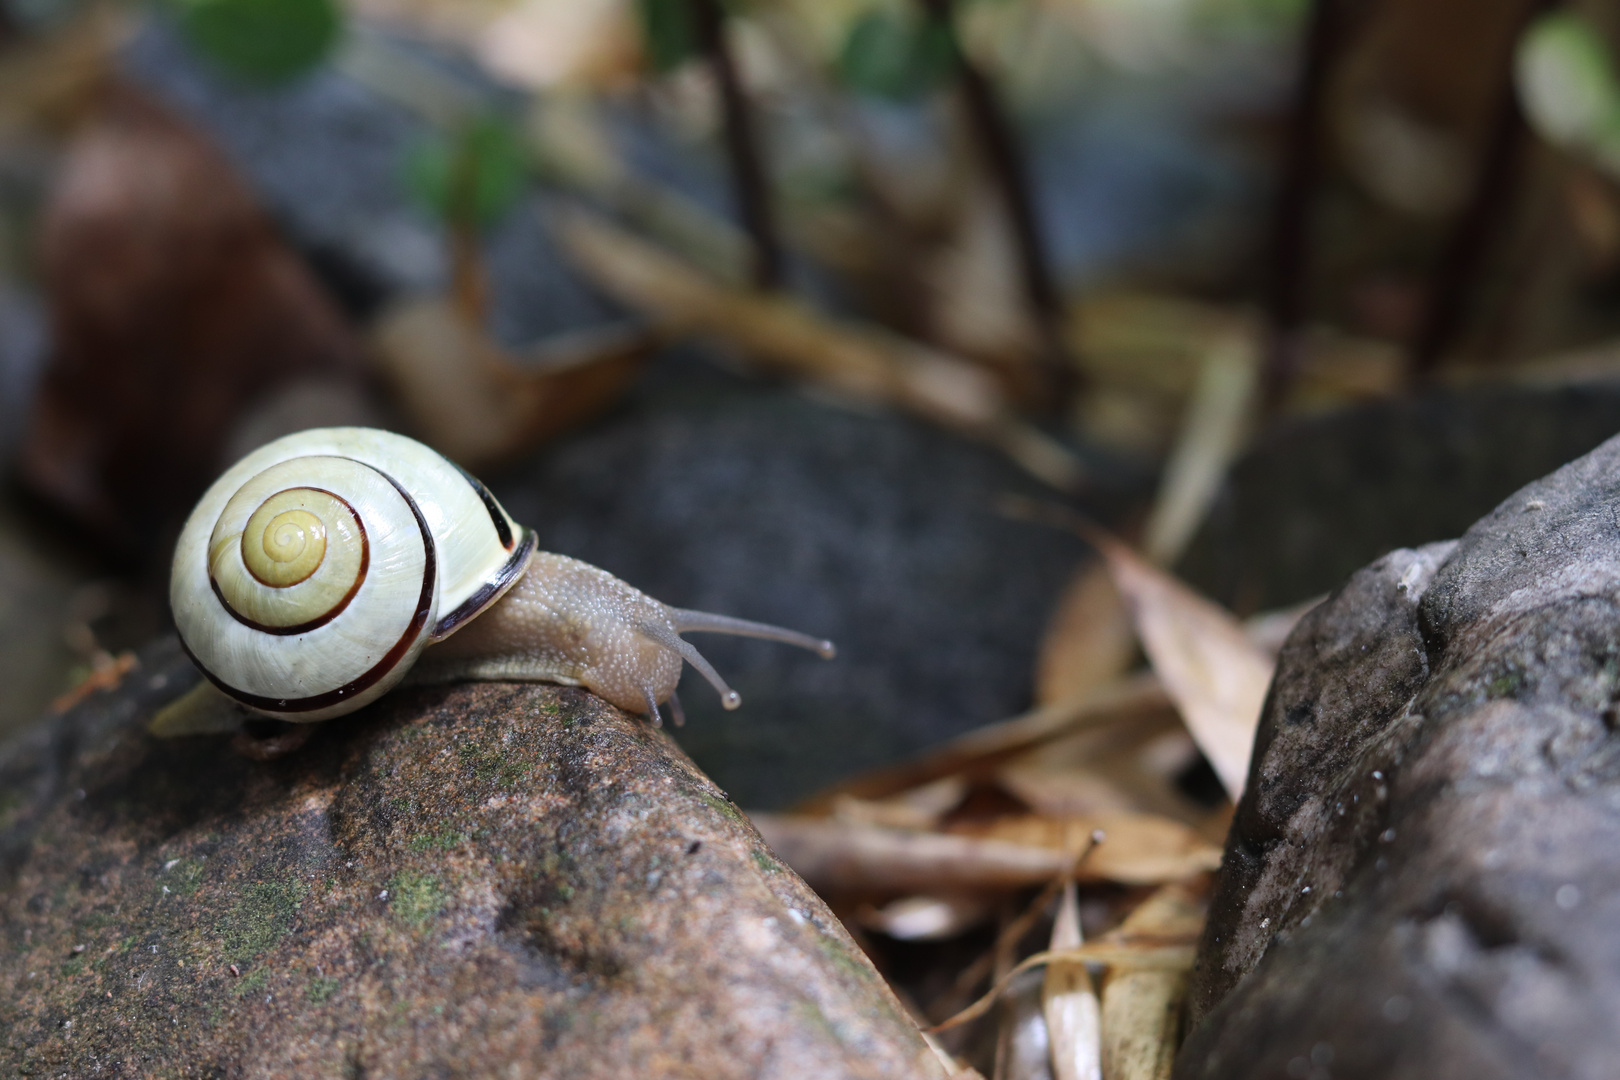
(473, 881)
(1423, 876)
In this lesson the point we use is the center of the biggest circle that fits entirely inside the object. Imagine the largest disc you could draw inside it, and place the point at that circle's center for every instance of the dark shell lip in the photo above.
(491, 590)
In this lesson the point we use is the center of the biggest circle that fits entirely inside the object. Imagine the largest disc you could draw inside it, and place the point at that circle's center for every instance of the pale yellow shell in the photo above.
(314, 571)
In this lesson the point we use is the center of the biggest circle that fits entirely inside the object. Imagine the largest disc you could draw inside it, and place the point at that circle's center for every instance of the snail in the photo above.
(324, 567)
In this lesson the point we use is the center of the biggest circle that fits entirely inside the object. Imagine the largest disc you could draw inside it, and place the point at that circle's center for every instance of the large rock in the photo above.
(708, 491)
(1423, 878)
(487, 880)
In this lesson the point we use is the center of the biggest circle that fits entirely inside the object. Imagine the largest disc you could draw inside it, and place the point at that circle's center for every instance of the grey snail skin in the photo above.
(326, 566)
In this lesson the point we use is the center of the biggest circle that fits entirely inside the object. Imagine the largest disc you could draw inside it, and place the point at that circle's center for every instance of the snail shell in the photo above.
(315, 570)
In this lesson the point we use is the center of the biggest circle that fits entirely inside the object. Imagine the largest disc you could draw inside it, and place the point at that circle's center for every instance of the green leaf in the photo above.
(889, 55)
(667, 28)
(471, 178)
(1567, 83)
(263, 41)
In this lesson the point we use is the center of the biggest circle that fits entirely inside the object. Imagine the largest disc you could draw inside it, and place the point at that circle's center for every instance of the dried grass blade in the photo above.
(1141, 1009)
(1069, 1001)
(1213, 431)
(1155, 956)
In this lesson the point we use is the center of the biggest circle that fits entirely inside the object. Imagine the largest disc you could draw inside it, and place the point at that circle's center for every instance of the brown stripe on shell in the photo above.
(503, 530)
(337, 608)
(357, 686)
(492, 590)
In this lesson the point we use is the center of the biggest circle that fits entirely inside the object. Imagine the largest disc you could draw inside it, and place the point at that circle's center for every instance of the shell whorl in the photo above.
(314, 571)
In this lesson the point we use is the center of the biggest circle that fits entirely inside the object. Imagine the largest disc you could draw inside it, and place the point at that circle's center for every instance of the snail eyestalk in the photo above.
(728, 697)
(707, 622)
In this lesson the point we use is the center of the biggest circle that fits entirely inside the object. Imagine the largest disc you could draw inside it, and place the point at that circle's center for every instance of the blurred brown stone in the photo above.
(479, 881)
(174, 307)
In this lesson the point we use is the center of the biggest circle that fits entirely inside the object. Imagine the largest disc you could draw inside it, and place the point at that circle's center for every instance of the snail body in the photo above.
(324, 567)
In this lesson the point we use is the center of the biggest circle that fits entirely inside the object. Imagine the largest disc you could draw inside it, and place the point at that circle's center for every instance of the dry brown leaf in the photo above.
(176, 310)
(842, 857)
(1065, 792)
(839, 857)
(1132, 848)
(1089, 641)
(865, 364)
(919, 808)
(978, 753)
(1069, 1001)
(1216, 675)
(1141, 1009)
(479, 404)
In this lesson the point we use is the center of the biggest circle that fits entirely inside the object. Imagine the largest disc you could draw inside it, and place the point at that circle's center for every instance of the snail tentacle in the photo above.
(707, 622)
(672, 641)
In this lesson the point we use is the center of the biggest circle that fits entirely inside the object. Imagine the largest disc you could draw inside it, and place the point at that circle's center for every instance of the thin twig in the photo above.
(747, 163)
(1002, 157)
(1290, 261)
(1457, 275)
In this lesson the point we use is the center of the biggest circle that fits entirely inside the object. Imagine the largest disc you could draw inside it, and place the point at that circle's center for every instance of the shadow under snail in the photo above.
(323, 567)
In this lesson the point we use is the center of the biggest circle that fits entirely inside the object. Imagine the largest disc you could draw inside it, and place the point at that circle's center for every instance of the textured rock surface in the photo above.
(1423, 879)
(480, 881)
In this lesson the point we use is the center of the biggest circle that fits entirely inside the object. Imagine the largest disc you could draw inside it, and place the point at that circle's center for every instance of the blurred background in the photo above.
(794, 309)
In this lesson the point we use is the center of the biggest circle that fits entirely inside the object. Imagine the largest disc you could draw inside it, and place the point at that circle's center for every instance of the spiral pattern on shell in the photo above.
(312, 573)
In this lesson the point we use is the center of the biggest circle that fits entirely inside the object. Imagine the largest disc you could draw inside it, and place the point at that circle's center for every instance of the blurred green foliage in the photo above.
(888, 54)
(264, 41)
(668, 30)
(1568, 86)
(470, 178)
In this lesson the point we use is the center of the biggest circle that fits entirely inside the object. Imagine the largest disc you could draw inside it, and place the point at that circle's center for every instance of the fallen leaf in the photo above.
(175, 310)
(1125, 956)
(919, 808)
(1089, 641)
(1069, 1001)
(840, 857)
(978, 753)
(844, 857)
(1217, 676)
(1131, 848)
(478, 403)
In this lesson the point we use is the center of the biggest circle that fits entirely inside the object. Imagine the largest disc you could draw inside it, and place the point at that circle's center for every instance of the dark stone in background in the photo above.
(726, 495)
(480, 881)
(1321, 496)
(1423, 877)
